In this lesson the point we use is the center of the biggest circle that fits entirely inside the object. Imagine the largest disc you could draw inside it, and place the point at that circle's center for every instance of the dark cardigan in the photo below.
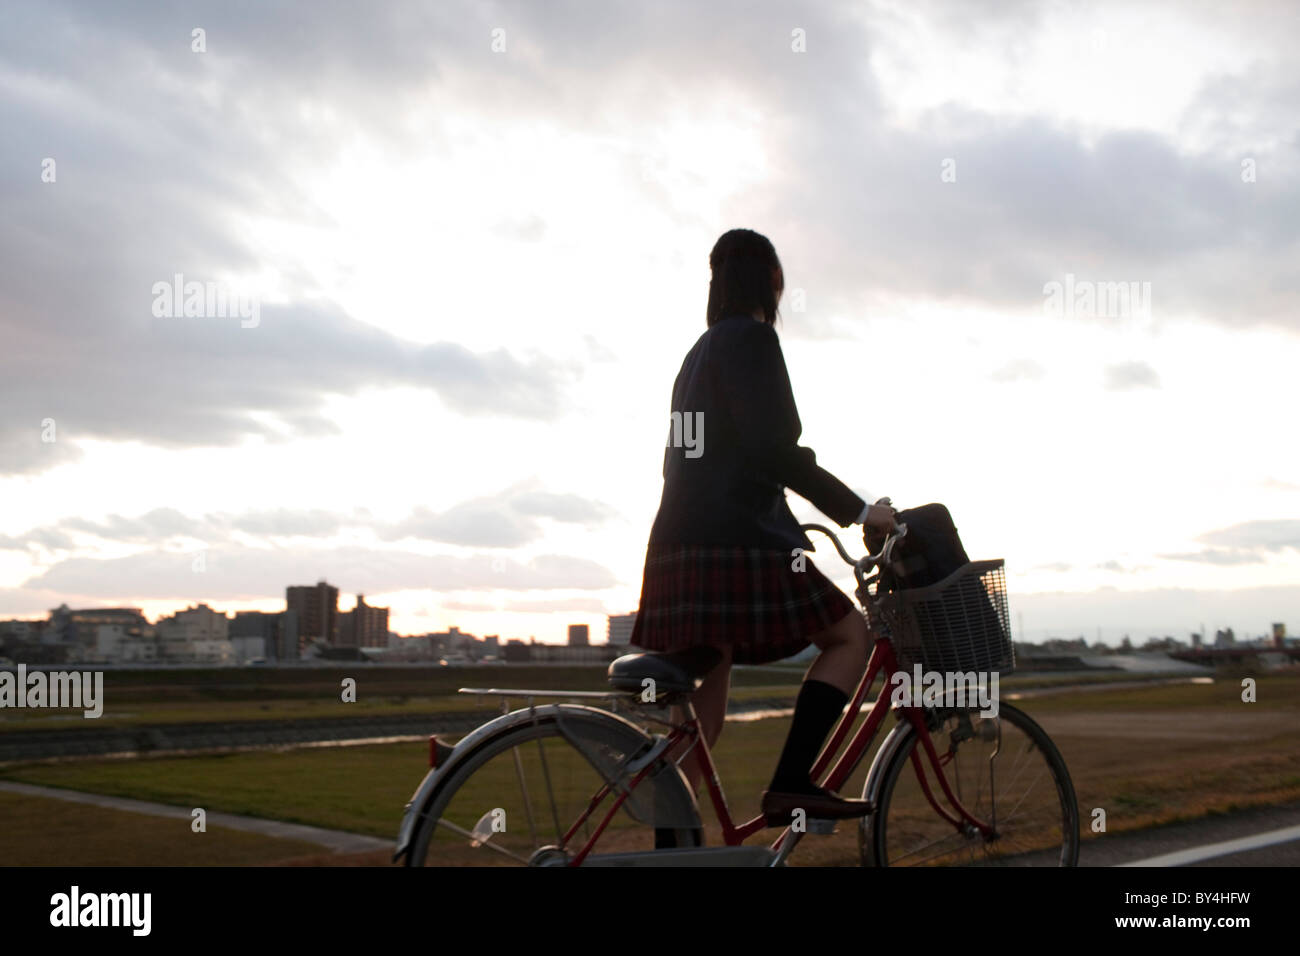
(733, 448)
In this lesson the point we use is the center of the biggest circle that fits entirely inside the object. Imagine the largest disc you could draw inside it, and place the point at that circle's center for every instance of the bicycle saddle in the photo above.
(676, 672)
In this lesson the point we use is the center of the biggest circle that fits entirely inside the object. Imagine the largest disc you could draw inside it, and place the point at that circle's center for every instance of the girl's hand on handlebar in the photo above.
(880, 518)
(879, 522)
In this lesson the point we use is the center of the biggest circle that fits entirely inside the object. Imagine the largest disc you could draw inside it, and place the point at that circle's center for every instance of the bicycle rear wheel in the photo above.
(1005, 770)
(517, 797)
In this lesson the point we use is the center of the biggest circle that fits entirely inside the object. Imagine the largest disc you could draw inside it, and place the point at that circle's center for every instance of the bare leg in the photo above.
(845, 648)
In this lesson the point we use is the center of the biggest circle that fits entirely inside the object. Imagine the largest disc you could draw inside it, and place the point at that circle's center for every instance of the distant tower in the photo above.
(363, 626)
(620, 629)
(317, 608)
(578, 635)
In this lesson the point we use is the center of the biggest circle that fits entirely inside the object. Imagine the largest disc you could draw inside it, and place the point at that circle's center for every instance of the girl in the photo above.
(720, 566)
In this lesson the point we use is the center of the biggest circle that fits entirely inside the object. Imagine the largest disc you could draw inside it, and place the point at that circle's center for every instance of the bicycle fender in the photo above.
(678, 792)
(898, 737)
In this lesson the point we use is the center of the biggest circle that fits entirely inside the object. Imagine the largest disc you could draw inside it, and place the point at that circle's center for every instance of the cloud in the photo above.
(1221, 556)
(163, 525)
(1128, 375)
(182, 383)
(52, 539)
(259, 573)
(561, 571)
(28, 601)
(1269, 535)
(1054, 566)
(475, 606)
(597, 351)
(505, 520)
(1118, 567)
(315, 522)
(1019, 370)
(575, 605)
(1249, 542)
(481, 523)
(23, 452)
(561, 507)
(526, 229)
(1276, 485)
(157, 525)
(153, 526)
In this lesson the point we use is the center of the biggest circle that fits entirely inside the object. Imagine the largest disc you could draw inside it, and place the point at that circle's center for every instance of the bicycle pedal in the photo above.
(820, 826)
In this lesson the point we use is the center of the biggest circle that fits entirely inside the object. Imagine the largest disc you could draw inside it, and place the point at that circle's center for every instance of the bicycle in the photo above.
(585, 754)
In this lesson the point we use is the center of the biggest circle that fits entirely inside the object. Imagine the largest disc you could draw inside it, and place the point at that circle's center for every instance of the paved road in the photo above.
(1214, 841)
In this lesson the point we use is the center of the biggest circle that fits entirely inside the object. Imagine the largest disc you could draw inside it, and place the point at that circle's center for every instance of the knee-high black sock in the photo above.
(816, 710)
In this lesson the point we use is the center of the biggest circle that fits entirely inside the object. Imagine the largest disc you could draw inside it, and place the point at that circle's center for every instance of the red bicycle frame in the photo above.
(882, 661)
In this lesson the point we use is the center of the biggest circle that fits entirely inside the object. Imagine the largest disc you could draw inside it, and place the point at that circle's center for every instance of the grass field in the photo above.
(144, 697)
(41, 832)
(1147, 756)
(248, 693)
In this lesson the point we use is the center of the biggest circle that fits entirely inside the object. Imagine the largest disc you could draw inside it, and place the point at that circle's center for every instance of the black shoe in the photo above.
(779, 805)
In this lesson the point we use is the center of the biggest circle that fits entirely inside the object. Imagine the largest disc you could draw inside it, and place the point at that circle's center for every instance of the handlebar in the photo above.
(866, 561)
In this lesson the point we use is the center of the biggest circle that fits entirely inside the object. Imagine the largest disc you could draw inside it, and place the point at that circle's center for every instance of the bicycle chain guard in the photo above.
(653, 806)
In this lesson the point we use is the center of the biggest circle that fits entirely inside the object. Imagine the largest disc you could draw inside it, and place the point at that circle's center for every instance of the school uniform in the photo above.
(719, 566)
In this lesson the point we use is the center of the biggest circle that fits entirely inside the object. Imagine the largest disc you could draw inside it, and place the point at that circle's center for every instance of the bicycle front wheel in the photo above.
(1004, 770)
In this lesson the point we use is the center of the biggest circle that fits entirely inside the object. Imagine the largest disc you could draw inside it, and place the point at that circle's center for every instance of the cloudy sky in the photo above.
(477, 238)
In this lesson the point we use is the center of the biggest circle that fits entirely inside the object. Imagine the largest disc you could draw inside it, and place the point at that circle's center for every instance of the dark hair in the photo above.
(746, 276)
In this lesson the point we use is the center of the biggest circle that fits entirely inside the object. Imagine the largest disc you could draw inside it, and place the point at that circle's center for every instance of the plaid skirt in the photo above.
(751, 599)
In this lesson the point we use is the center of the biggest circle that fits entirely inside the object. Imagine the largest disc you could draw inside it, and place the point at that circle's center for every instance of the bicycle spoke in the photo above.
(935, 856)
(523, 789)
(1016, 768)
(487, 843)
(550, 792)
(1033, 784)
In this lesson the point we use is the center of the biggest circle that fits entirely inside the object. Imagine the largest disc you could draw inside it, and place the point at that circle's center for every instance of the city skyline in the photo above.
(619, 626)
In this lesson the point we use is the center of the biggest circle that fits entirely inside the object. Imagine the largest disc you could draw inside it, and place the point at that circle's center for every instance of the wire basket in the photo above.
(957, 625)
